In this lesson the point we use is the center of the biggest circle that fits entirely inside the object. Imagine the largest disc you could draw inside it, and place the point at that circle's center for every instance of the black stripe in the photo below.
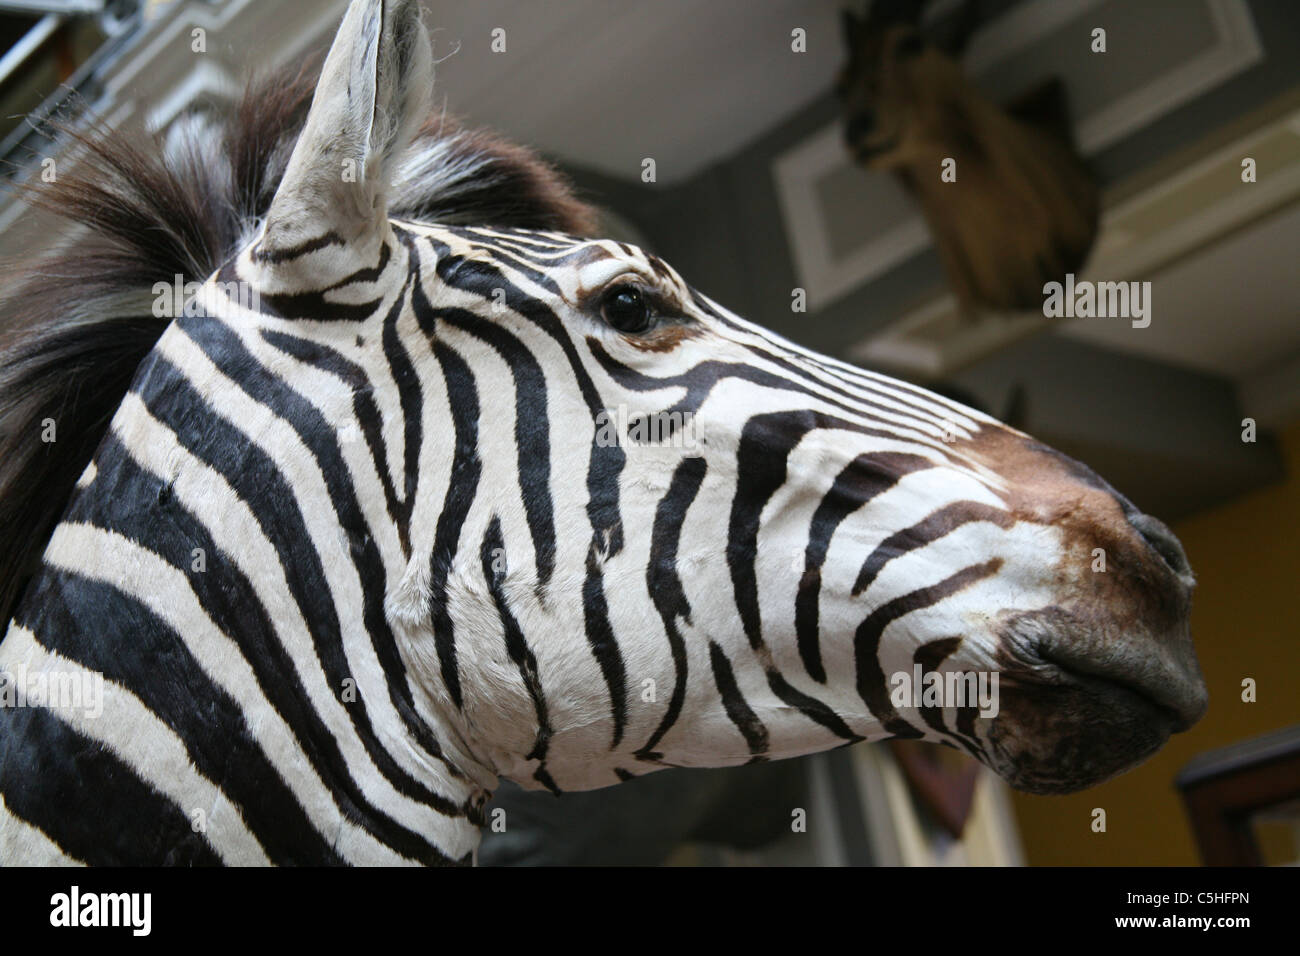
(868, 398)
(254, 476)
(865, 478)
(872, 687)
(321, 356)
(931, 528)
(665, 585)
(765, 445)
(808, 368)
(701, 379)
(930, 656)
(604, 646)
(532, 422)
(227, 352)
(660, 268)
(559, 256)
(261, 254)
(312, 304)
(704, 305)
(143, 509)
(604, 468)
(462, 487)
(106, 630)
(367, 274)
(733, 702)
(810, 707)
(410, 394)
(314, 307)
(493, 558)
(62, 783)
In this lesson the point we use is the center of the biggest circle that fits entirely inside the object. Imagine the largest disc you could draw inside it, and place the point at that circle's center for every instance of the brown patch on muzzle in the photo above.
(1096, 682)
(1139, 589)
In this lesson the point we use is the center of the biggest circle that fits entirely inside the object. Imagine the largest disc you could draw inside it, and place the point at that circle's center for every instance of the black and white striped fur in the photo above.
(344, 558)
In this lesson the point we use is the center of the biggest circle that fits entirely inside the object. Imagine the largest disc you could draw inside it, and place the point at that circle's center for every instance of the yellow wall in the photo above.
(1246, 556)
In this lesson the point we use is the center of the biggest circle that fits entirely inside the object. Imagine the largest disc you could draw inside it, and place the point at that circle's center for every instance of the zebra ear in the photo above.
(372, 96)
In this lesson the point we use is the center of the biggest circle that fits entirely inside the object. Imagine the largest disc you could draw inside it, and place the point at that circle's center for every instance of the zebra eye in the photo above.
(626, 309)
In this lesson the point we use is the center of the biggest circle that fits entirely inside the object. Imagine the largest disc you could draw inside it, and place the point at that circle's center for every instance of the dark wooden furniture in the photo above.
(1224, 789)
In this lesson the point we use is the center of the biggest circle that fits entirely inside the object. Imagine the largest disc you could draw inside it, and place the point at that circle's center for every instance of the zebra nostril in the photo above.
(1165, 543)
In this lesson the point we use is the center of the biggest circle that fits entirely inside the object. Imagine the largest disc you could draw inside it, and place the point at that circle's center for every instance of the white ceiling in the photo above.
(682, 81)
(1232, 308)
(605, 83)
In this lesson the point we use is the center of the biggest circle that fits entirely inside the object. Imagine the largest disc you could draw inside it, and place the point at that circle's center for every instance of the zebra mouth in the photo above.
(1165, 707)
(1062, 729)
(1135, 672)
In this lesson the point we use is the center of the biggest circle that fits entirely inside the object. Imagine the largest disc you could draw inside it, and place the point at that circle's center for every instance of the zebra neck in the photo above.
(210, 550)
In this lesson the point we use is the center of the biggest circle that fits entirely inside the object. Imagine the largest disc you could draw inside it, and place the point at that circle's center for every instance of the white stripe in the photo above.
(237, 534)
(295, 462)
(22, 844)
(129, 729)
(107, 556)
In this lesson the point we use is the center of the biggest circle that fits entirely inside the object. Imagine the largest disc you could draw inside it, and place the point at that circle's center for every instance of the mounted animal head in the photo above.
(1023, 208)
(900, 84)
(559, 516)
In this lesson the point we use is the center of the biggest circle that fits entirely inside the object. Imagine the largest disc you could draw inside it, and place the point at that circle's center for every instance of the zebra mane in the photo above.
(76, 323)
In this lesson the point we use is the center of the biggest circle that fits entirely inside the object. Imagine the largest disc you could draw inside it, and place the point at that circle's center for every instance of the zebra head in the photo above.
(629, 529)
(424, 488)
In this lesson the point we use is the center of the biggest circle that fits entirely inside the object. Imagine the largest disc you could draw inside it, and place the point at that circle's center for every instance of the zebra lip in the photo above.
(1159, 675)
(1164, 696)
